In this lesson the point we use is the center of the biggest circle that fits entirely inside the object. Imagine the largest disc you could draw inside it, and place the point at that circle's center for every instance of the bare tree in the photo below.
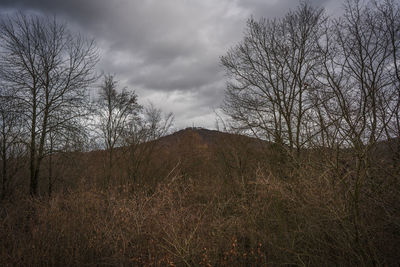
(61, 143)
(360, 88)
(115, 113)
(11, 140)
(50, 70)
(388, 12)
(270, 75)
(139, 147)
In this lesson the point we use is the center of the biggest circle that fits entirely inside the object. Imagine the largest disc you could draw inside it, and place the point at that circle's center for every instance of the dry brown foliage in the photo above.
(262, 221)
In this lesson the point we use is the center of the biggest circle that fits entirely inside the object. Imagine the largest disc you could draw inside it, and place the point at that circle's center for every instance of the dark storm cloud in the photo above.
(278, 8)
(167, 50)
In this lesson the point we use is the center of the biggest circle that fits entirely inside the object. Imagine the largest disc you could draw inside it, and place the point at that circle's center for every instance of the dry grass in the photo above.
(257, 221)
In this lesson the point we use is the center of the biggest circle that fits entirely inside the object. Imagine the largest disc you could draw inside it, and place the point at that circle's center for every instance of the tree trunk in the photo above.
(50, 175)
(4, 169)
(33, 178)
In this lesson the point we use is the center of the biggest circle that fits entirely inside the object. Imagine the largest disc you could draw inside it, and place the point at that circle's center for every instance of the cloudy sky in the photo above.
(166, 50)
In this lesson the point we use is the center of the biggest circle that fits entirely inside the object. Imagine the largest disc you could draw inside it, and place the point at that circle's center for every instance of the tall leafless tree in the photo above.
(50, 70)
(270, 75)
(305, 81)
(115, 113)
(360, 88)
(151, 125)
(388, 12)
(11, 140)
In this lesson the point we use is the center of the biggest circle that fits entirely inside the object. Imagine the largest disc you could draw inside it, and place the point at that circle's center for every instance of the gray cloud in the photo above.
(167, 50)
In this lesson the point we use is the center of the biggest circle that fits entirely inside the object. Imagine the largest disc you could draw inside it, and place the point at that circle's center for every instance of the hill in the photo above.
(200, 152)
(196, 153)
(203, 197)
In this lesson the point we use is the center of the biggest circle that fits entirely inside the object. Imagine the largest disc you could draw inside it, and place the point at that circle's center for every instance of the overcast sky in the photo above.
(166, 50)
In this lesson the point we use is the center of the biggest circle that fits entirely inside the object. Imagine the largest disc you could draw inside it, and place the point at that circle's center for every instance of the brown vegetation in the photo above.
(316, 185)
(251, 218)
